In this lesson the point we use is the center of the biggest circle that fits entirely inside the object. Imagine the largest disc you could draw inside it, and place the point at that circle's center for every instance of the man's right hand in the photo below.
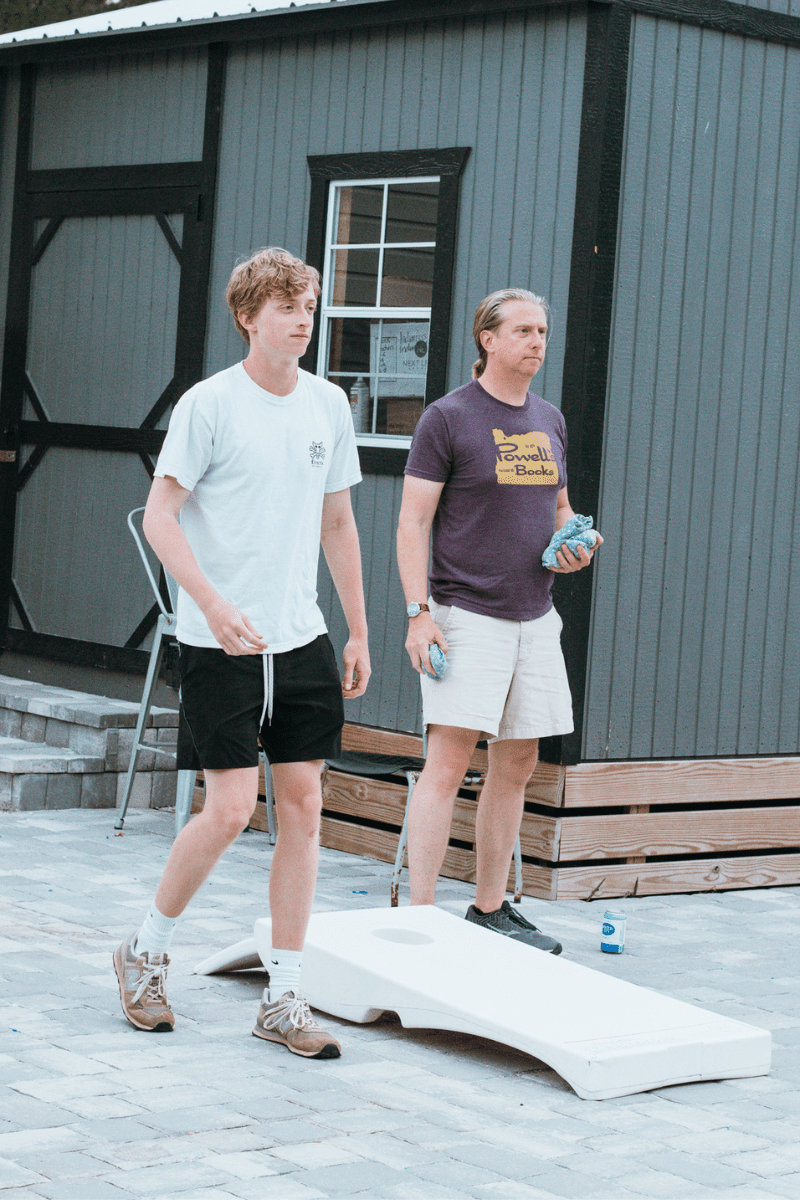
(422, 630)
(233, 630)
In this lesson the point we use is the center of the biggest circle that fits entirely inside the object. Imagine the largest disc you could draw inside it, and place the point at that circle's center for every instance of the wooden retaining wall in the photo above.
(598, 830)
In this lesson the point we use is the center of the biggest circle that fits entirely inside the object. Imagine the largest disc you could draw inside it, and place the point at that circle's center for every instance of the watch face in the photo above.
(413, 609)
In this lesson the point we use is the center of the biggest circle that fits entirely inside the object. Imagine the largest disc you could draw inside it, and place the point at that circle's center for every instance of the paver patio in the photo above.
(92, 1108)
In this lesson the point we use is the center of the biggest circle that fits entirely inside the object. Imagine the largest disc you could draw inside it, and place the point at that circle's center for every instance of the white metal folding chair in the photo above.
(166, 624)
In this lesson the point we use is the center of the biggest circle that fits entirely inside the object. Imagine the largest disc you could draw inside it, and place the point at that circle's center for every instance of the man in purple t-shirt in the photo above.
(486, 475)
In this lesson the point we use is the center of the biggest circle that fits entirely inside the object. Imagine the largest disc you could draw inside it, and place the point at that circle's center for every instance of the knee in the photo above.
(442, 777)
(234, 818)
(515, 770)
(300, 811)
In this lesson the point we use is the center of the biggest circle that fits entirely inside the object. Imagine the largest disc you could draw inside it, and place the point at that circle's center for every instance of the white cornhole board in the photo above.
(605, 1037)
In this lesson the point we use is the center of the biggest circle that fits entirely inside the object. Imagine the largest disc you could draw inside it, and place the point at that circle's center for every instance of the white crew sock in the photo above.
(156, 933)
(284, 973)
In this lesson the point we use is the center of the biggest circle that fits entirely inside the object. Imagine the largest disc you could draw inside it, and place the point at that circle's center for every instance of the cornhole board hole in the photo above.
(604, 1036)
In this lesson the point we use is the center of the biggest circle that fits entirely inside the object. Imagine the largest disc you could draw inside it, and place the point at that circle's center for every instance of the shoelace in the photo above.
(153, 981)
(294, 1009)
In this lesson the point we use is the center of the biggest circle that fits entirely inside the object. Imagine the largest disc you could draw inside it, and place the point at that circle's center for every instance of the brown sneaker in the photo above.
(289, 1021)
(142, 988)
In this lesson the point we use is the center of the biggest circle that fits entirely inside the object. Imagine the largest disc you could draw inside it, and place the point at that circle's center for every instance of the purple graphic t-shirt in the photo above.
(502, 467)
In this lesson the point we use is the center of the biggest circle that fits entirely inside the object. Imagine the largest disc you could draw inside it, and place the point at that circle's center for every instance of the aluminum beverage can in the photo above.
(612, 939)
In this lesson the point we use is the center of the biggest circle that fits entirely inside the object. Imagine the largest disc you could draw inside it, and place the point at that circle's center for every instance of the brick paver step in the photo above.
(20, 757)
(80, 708)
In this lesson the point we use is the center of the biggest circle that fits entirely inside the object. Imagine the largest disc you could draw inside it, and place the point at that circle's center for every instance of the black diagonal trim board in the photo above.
(52, 228)
(588, 327)
(724, 15)
(144, 627)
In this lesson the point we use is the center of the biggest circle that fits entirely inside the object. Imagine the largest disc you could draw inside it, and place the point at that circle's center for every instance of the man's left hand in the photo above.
(356, 669)
(568, 561)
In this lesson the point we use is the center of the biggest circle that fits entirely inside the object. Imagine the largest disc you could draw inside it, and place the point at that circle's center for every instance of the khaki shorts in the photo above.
(505, 678)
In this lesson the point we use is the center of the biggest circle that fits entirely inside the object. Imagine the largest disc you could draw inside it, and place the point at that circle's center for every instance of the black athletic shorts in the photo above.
(222, 698)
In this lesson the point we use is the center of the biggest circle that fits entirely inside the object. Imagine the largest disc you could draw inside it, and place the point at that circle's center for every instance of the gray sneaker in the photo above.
(511, 923)
(143, 988)
(289, 1022)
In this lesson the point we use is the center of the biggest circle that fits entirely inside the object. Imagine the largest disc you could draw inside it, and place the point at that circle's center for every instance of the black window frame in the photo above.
(448, 164)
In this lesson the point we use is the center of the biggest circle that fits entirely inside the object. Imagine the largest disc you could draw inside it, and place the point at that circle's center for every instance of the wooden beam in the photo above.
(681, 781)
(701, 831)
(669, 878)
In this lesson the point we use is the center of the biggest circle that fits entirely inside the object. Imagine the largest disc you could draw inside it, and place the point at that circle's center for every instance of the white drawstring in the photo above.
(269, 687)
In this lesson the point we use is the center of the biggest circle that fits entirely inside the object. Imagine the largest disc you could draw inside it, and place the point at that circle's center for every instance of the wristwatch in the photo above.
(415, 609)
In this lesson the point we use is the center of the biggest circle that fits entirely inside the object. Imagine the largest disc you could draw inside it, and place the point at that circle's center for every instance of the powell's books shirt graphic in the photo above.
(524, 458)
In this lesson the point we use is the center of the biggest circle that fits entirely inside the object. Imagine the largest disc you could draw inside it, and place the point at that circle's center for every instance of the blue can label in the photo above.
(607, 928)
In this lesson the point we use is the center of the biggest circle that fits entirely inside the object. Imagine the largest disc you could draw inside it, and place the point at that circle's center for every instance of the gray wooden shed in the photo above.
(635, 160)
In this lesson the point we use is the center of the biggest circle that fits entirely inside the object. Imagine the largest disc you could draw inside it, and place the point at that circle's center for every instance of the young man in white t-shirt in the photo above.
(258, 461)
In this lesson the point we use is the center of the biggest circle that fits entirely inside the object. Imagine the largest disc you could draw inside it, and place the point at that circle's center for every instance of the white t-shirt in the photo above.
(258, 467)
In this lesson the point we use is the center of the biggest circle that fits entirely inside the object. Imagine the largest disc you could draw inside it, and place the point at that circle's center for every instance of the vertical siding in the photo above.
(157, 102)
(509, 87)
(104, 302)
(392, 700)
(70, 527)
(9, 103)
(101, 349)
(694, 648)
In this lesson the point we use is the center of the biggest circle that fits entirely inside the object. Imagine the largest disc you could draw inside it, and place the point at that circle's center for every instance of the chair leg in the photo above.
(411, 778)
(141, 721)
(269, 797)
(518, 871)
(184, 794)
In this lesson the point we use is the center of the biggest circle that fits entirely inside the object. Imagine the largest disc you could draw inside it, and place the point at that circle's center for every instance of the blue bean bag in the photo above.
(575, 532)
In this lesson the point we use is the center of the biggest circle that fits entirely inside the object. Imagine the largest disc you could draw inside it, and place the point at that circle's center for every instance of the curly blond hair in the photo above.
(267, 273)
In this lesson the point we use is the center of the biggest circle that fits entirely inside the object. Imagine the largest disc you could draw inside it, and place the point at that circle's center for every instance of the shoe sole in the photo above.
(161, 1027)
(329, 1051)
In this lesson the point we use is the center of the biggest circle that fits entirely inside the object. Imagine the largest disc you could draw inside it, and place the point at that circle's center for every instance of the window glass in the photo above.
(354, 278)
(411, 212)
(359, 215)
(382, 364)
(375, 323)
(407, 278)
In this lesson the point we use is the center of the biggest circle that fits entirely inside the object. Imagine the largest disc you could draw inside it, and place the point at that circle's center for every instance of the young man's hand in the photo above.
(357, 669)
(233, 630)
(422, 630)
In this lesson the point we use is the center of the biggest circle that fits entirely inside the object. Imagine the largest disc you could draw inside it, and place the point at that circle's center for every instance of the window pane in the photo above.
(355, 277)
(396, 414)
(382, 365)
(411, 212)
(398, 369)
(359, 215)
(407, 278)
(348, 349)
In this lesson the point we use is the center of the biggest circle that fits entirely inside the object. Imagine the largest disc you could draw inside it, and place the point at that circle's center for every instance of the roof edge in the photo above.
(325, 17)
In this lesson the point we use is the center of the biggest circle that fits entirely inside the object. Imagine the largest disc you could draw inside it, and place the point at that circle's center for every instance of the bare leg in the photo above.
(511, 764)
(293, 872)
(449, 751)
(230, 799)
